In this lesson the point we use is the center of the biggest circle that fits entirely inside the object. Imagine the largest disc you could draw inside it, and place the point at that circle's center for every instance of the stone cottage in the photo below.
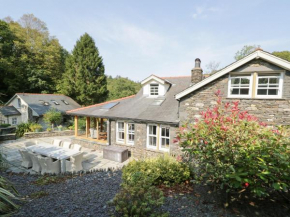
(147, 122)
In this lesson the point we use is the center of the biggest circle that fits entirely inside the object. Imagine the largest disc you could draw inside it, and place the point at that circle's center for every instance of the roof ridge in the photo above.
(103, 103)
(43, 94)
(181, 76)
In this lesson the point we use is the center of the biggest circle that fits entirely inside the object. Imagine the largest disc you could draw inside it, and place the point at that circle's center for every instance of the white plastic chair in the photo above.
(26, 160)
(66, 144)
(35, 163)
(48, 165)
(77, 147)
(74, 163)
(56, 142)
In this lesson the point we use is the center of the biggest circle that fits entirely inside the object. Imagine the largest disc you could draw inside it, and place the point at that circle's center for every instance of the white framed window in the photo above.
(164, 138)
(130, 133)
(154, 89)
(240, 86)
(14, 121)
(120, 131)
(269, 86)
(152, 136)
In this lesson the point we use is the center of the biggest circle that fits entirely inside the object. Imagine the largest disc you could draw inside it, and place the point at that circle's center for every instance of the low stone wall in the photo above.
(135, 152)
(48, 134)
(5, 137)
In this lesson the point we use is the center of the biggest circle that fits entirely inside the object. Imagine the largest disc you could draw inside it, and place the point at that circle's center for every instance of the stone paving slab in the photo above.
(92, 159)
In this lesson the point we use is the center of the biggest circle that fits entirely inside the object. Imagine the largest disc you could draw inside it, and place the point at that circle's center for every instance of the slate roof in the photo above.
(34, 101)
(9, 110)
(139, 107)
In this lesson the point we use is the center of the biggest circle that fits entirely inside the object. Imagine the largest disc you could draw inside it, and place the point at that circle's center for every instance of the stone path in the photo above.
(92, 159)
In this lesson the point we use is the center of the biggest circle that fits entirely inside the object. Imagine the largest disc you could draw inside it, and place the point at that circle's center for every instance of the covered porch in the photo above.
(96, 129)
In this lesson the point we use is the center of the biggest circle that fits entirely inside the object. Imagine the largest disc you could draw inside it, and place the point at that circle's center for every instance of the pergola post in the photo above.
(88, 123)
(76, 125)
(98, 128)
(102, 120)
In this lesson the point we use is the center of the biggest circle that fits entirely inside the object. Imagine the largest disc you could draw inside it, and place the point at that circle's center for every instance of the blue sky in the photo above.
(139, 38)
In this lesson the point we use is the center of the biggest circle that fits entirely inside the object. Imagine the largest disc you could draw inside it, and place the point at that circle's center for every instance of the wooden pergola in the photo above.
(98, 125)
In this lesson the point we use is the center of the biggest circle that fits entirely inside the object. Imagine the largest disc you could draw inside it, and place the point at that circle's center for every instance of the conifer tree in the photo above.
(84, 79)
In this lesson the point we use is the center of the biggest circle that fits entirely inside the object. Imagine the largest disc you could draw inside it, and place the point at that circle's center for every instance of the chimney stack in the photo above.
(196, 72)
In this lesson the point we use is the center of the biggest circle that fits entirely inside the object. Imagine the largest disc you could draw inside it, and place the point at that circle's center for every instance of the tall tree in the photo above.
(282, 54)
(84, 78)
(246, 50)
(212, 67)
(41, 54)
(119, 87)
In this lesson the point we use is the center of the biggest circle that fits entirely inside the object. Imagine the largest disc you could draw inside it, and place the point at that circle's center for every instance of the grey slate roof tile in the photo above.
(9, 110)
(140, 108)
(34, 102)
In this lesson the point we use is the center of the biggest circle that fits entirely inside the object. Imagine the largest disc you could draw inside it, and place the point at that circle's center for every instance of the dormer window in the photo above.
(154, 89)
(55, 102)
(19, 103)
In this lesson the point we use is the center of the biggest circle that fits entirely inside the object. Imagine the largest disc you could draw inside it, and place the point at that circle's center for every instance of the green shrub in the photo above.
(52, 116)
(233, 150)
(5, 125)
(34, 127)
(162, 170)
(22, 128)
(7, 206)
(139, 198)
(48, 129)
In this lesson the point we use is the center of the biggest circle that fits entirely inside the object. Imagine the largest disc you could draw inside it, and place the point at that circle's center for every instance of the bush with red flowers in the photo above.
(234, 151)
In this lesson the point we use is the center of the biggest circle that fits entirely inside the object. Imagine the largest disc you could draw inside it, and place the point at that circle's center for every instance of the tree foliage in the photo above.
(119, 87)
(84, 78)
(212, 67)
(245, 51)
(32, 60)
(52, 116)
(282, 54)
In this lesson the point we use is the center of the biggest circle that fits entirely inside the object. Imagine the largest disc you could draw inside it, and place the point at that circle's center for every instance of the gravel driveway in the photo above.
(88, 195)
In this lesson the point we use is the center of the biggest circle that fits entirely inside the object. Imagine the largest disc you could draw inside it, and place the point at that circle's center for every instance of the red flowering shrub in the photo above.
(233, 150)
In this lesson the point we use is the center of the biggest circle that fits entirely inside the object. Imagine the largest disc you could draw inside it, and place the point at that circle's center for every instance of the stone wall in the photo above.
(11, 136)
(139, 149)
(271, 111)
(48, 134)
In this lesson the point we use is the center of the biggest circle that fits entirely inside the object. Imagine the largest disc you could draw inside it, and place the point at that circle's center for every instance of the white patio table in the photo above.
(56, 152)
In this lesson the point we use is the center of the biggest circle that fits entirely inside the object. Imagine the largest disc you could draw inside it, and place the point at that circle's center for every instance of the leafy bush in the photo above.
(52, 116)
(7, 206)
(162, 170)
(233, 150)
(48, 129)
(139, 198)
(34, 127)
(22, 128)
(5, 125)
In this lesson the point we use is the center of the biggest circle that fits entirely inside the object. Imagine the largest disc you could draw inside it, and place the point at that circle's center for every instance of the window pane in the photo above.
(274, 81)
(263, 80)
(262, 91)
(167, 132)
(163, 131)
(273, 92)
(164, 143)
(152, 141)
(235, 80)
(235, 91)
(121, 135)
(121, 125)
(244, 91)
(245, 81)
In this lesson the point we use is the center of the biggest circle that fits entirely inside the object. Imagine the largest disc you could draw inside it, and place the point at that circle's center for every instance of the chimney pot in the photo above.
(196, 73)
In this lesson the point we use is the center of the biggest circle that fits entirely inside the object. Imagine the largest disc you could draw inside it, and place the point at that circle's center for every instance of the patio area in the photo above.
(92, 159)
